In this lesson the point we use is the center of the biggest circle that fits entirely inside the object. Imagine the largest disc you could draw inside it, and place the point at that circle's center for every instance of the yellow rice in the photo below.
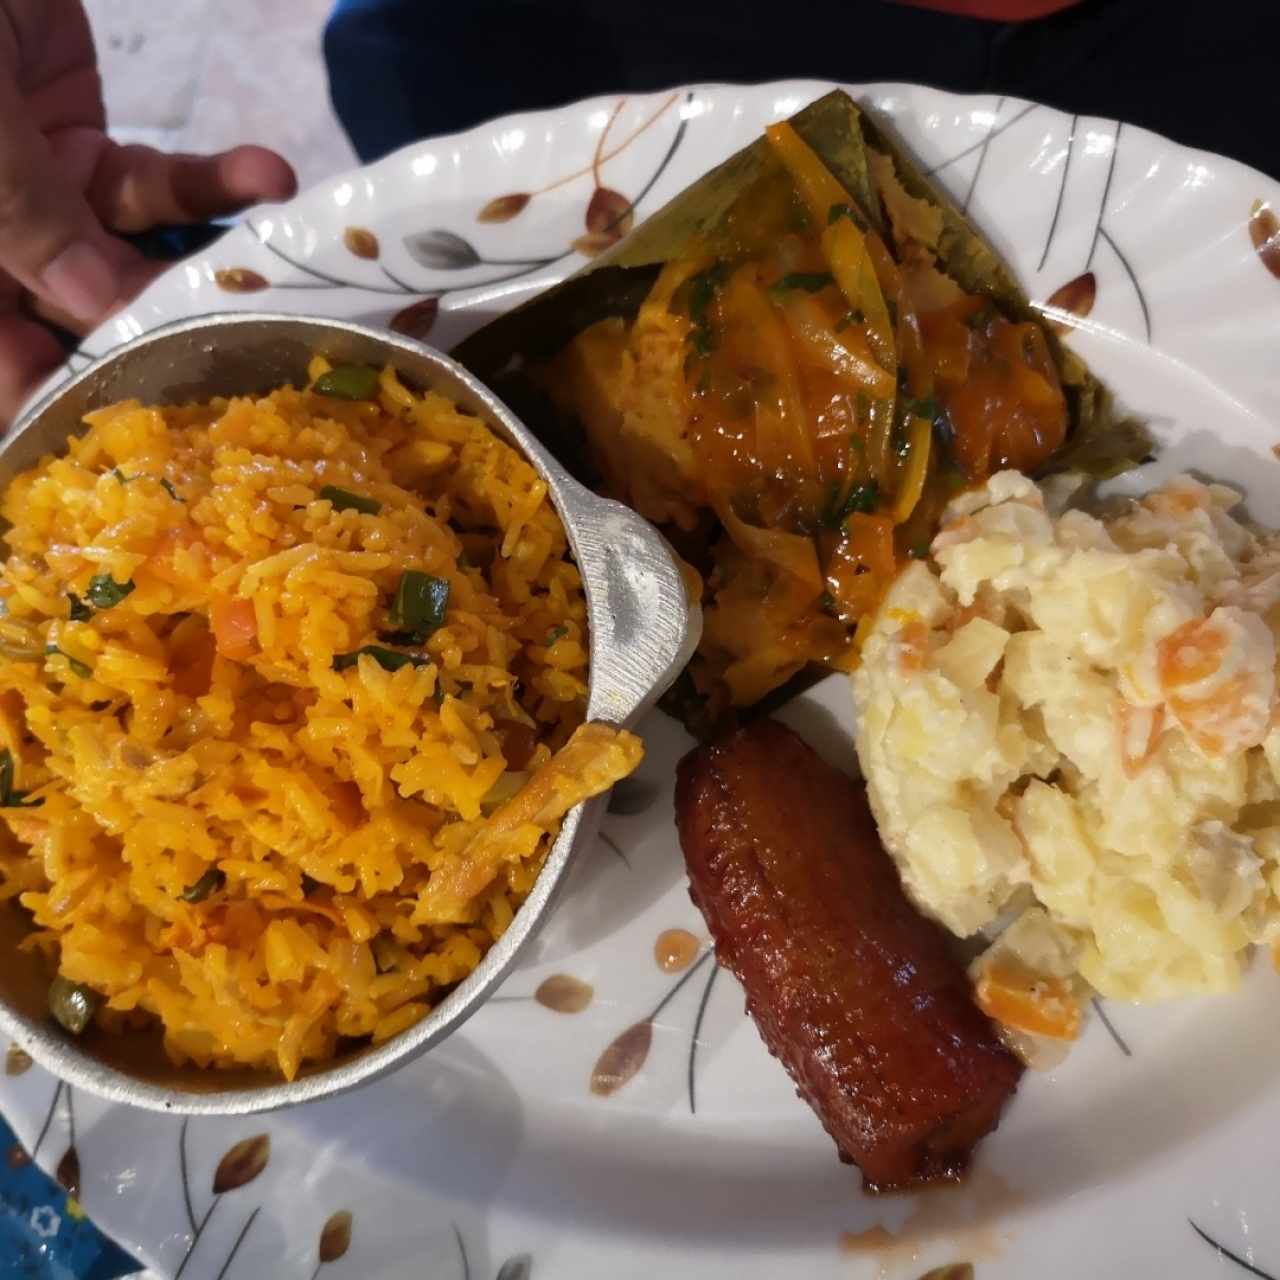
(372, 837)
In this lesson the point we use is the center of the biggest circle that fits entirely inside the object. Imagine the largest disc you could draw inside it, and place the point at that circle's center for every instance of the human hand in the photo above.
(65, 188)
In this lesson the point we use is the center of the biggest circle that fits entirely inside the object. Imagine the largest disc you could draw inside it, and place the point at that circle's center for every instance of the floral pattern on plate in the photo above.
(612, 1111)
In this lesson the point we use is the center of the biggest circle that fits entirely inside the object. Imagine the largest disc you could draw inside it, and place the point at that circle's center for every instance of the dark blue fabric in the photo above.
(1200, 73)
(44, 1235)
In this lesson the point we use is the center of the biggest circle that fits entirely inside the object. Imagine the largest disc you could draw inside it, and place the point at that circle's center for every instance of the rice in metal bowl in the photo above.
(291, 706)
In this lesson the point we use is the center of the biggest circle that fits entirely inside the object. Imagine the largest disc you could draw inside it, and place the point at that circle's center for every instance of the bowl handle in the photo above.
(644, 628)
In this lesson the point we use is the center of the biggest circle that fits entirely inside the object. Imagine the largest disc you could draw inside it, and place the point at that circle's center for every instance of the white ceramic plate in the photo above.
(492, 1157)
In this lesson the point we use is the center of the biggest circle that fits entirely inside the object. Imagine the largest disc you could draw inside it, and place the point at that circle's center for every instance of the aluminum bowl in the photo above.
(642, 632)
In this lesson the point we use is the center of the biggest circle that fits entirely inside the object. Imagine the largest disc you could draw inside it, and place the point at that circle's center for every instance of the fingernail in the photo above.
(81, 280)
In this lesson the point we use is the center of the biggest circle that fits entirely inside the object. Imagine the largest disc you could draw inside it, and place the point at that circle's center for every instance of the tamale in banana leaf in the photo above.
(506, 351)
(791, 368)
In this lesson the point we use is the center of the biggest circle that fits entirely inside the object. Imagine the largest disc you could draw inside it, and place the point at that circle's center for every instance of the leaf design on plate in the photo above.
(1076, 297)
(441, 250)
(361, 241)
(504, 208)
(17, 1061)
(242, 1163)
(1224, 1252)
(17, 1157)
(609, 213)
(68, 1172)
(631, 796)
(593, 243)
(953, 1271)
(240, 280)
(335, 1236)
(1264, 231)
(415, 321)
(564, 994)
(517, 1267)
(622, 1059)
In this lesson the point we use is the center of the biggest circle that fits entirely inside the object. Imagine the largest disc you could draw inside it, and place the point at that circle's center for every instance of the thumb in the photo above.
(50, 240)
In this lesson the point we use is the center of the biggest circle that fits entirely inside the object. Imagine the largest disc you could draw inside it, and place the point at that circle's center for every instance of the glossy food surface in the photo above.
(854, 991)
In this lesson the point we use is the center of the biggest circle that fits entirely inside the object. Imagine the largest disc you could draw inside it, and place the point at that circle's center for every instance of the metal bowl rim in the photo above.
(574, 504)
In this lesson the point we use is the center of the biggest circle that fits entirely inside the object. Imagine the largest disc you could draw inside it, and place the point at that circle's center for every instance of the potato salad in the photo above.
(1068, 730)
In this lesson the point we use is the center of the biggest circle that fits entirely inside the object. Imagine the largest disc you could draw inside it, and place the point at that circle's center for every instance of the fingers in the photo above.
(50, 240)
(70, 101)
(28, 353)
(134, 272)
(134, 188)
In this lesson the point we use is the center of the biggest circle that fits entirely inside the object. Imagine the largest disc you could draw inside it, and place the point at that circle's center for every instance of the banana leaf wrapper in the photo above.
(1101, 441)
